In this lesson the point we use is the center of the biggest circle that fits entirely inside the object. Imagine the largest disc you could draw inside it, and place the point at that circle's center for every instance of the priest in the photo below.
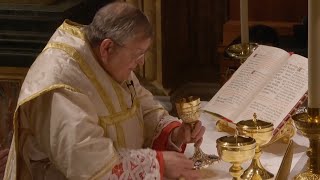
(82, 113)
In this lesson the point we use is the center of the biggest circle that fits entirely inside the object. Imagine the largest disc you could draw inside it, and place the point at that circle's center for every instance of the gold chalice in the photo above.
(261, 131)
(188, 110)
(236, 150)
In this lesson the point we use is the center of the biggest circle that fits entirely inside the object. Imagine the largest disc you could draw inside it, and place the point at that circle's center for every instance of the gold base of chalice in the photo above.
(203, 160)
(236, 150)
(261, 131)
(241, 51)
(308, 123)
(188, 110)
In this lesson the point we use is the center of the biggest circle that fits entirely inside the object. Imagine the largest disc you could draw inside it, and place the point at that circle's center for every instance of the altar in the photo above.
(271, 157)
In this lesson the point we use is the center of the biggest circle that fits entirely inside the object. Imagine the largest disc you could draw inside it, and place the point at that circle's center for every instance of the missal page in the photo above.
(277, 98)
(248, 79)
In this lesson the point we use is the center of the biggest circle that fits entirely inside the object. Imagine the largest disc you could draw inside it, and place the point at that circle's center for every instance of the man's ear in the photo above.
(106, 48)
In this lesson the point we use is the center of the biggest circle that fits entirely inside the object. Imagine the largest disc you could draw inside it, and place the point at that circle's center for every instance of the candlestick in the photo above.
(244, 21)
(308, 124)
(313, 54)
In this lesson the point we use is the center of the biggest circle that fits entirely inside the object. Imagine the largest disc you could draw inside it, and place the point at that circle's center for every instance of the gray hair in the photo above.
(118, 21)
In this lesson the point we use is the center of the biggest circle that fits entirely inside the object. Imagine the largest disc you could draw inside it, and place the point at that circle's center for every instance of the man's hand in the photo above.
(185, 134)
(3, 161)
(177, 165)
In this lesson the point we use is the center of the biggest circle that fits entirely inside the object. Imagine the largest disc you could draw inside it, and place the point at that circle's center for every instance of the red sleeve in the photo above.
(161, 163)
(161, 143)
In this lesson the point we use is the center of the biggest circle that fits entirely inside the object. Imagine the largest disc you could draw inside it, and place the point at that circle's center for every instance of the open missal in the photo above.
(271, 83)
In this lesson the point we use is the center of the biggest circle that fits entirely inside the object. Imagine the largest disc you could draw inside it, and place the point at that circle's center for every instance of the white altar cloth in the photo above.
(271, 157)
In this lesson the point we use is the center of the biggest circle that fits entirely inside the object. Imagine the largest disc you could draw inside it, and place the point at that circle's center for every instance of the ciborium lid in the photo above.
(236, 142)
(255, 124)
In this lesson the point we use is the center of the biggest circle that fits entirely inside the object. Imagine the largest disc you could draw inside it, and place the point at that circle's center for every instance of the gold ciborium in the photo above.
(308, 124)
(236, 150)
(262, 132)
(188, 110)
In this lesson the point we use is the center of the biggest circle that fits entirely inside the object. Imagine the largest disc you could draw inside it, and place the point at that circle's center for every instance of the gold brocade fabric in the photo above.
(90, 117)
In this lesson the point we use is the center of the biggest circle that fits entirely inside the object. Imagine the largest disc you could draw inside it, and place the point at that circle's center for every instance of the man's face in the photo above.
(123, 59)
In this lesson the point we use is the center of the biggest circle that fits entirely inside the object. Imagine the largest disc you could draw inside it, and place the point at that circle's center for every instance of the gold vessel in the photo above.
(236, 150)
(261, 131)
(188, 110)
(285, 134)
(308, 123)
(241, 51)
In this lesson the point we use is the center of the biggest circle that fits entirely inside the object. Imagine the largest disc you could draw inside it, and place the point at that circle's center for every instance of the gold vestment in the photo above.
(74, 121)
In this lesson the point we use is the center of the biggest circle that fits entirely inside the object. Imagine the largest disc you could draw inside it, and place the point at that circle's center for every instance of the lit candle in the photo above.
(244, 21)
(314, 54)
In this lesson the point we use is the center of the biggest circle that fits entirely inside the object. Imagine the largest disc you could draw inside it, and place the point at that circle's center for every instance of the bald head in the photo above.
(120, 22)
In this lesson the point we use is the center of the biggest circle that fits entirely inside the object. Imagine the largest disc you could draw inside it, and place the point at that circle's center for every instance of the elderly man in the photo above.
(82, 113)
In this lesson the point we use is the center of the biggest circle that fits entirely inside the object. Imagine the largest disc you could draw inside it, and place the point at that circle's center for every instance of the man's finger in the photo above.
(180, 155)
(187, 164)
(191, 174)
(184, 161)
(187, 134)
(199, 142)
(200, 134)
(196, 129)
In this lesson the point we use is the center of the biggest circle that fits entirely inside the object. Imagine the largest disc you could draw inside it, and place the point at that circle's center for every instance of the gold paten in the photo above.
(308, 123)
(236, 150)
(262, 132)
(188, 110)
(241, 51)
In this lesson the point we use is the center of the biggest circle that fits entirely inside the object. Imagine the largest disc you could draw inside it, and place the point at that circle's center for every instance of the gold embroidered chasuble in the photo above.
(74, 121)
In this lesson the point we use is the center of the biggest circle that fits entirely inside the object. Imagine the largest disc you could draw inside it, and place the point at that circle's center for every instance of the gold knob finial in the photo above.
(255, 118)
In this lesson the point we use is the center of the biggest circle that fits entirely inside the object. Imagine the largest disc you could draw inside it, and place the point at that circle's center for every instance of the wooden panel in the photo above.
(231, 29)
(10, 83)
(191, 32)
(271, 10)
(25, 29)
